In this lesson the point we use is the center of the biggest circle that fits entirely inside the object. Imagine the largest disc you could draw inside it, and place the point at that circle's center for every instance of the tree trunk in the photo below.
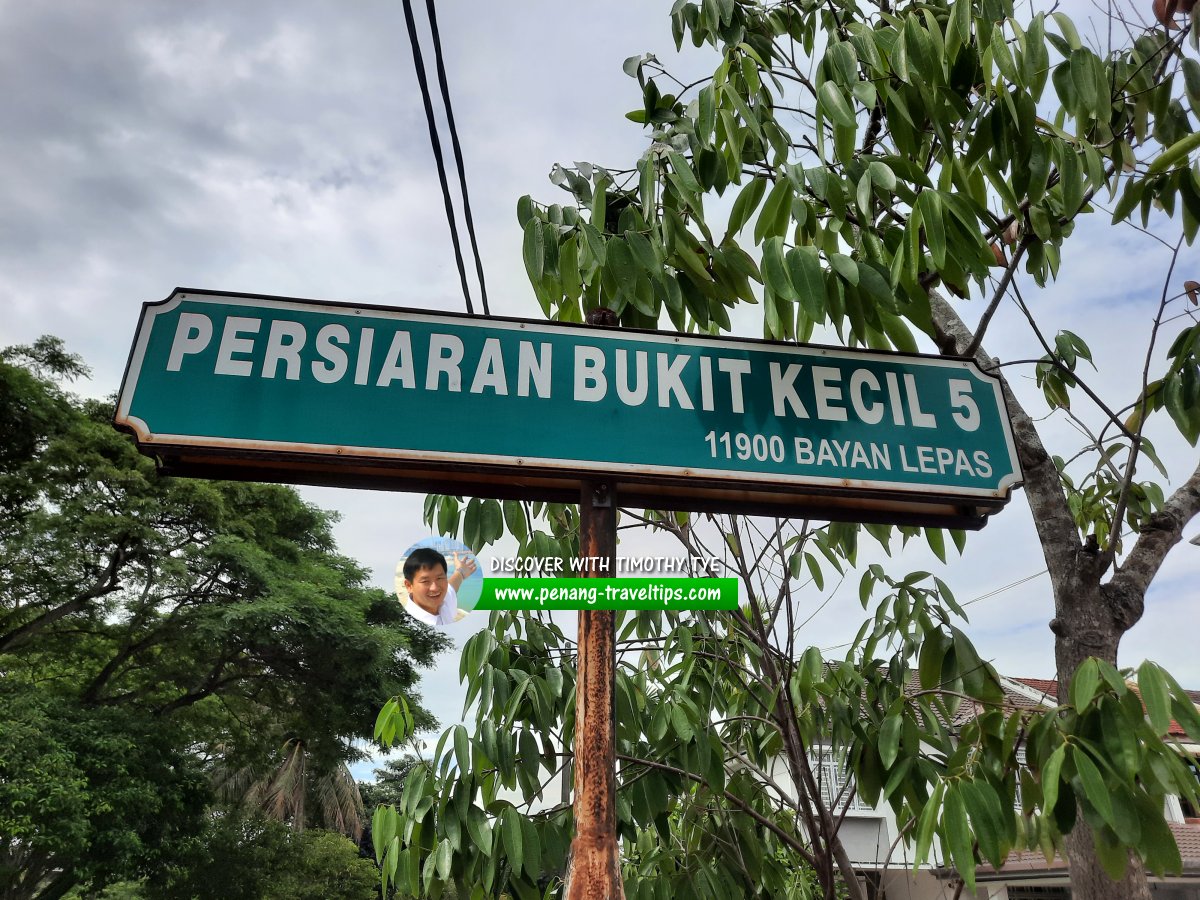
(1091, 623)
(1090, 619)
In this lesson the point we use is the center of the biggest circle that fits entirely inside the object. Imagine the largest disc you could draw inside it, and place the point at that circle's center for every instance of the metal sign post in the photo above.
(594, 870)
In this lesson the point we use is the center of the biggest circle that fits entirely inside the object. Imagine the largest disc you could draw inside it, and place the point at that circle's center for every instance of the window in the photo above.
(831, 777)
(1021, 766)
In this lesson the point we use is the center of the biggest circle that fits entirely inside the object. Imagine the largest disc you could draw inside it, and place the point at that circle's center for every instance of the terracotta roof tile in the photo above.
(1187, 836)
(1049, 687)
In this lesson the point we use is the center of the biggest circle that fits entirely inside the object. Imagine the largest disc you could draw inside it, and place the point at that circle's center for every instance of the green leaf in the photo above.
(863, 195)
(814, 569)
(1094, 788)
(882, 175)
(930, 206)
(510, 825)
(1181, 397)
(958, 29)
(686, 177)
(595, 241)
(531, 758)
(876, 287)
(899, 58)
(1191, 83)
(532, 847)
(471, 520)
(384, 824)
(599, 205)
(842, 63)
(1153, 688)
(680, 723)
(832, 102)
(620, 264)
(933, 654)
(1051, 775)
(479, 830)
(1003, 57)
(776, 212)
(643, 251)
(385, 720)
(706, 118)
(1184, 710)
(775, 276)
(1084, 684)
(1173, 154)
(925, 825)
(936, 538)
(804, 269)
(533, 250)
(491, 523)
(1083, 77)
(462, 749)
(844, 266)
(1113, 856)
(1072, 181)
(987, 824)
(889, 735)
(443, 856)
(746, 203)
(568, 269)
(958, 835)
(1067, 27)
(514, 518)
(524, 210)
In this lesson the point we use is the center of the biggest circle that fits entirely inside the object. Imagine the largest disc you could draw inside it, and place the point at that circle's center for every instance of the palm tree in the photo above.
(285, 791)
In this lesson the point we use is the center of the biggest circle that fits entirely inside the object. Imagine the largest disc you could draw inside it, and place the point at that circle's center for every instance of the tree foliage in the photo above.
(156, 634)
(876, 165)
(253, 858)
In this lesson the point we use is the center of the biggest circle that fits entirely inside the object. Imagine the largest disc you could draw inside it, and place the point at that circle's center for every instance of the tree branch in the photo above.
(1131, 464)
(782, 834)
(1001, 290)
(1159, 535)
(1043, 486)
(105, 584)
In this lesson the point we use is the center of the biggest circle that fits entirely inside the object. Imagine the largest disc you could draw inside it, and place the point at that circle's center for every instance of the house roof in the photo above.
(1187, 837)
(1045, 690)
(1049, 689)
(1046, 686)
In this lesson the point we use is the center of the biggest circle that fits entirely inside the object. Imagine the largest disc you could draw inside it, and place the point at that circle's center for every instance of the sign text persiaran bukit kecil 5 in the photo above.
(328, 392)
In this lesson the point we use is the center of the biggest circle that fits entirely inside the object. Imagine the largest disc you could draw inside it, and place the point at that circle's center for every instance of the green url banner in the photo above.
(608, 593)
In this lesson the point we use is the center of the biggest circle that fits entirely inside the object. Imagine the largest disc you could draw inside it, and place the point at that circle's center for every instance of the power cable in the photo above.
(458, 157)
(419, 64)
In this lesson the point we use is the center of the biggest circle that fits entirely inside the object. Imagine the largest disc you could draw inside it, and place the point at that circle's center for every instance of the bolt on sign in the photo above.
(234, 385)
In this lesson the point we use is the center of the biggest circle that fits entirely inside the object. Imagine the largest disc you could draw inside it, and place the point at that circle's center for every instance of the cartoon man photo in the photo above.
(432, 594)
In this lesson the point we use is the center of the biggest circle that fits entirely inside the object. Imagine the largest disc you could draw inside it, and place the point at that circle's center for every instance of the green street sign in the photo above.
(233, 385)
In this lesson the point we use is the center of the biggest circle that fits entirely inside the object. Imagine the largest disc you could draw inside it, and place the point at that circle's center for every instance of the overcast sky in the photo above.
(280, 148)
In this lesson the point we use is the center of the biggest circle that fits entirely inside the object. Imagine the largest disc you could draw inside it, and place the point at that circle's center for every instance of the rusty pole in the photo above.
(594, 870)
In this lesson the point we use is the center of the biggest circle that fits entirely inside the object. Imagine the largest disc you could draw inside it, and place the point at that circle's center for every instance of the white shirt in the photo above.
(447, 614)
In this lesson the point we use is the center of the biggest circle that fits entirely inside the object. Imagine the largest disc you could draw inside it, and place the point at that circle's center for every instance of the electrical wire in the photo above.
(458, 157)
(419, 64)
